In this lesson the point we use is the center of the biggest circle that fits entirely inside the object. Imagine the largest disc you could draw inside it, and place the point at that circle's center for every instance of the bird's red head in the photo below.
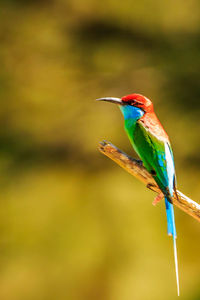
(138, 100)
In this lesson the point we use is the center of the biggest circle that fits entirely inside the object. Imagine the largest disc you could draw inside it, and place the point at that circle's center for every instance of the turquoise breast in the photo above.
(131, 114)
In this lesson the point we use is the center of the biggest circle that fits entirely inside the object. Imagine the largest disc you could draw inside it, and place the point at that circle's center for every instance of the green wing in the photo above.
(154, 153)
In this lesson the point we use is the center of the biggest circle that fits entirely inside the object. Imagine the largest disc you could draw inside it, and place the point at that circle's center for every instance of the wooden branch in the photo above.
(136, 168)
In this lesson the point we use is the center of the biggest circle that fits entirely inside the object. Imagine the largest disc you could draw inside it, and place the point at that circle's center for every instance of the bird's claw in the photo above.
(158, 198)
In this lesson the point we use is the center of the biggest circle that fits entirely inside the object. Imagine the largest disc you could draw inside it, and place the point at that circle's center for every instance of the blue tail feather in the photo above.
(171, 228)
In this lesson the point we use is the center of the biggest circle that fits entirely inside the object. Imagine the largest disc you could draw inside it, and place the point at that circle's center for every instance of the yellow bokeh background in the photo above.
(73, 225)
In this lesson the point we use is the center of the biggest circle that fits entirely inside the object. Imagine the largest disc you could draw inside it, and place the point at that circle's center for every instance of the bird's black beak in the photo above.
(111, 99)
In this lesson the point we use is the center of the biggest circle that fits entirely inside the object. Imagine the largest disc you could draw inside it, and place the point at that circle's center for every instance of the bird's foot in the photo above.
(158, 198)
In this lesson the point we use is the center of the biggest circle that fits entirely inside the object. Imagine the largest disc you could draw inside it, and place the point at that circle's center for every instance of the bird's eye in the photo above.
(132, 102)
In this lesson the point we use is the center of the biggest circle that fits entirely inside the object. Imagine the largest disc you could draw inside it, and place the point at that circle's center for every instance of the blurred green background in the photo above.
(73, 225)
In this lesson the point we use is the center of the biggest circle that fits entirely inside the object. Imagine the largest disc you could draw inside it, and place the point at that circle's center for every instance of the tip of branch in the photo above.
(103, 145)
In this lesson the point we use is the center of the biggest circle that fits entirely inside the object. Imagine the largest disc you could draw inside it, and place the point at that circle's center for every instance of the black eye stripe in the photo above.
(133, 102)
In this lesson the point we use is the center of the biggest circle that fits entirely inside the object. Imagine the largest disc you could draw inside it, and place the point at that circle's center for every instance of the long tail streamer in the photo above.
(176, 265)
(171, 230)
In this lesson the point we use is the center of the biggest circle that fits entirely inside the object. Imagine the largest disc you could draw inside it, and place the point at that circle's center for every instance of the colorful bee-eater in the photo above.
(151, 143)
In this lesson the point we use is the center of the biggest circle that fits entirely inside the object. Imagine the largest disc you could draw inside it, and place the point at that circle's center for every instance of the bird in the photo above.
(151, 142)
